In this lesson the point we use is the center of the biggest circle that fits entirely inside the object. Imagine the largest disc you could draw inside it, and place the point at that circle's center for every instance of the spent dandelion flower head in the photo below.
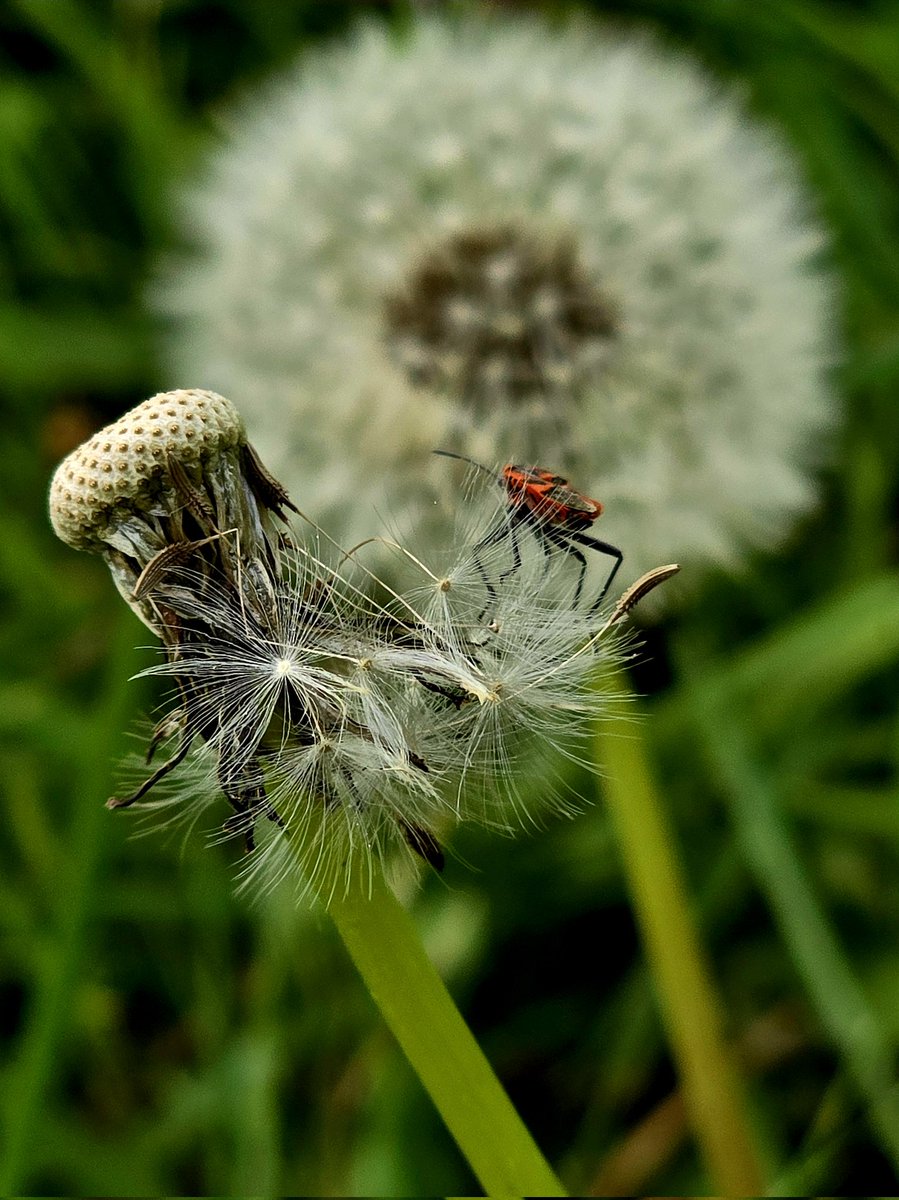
(525, 244)
(343, 722)
(160, 483)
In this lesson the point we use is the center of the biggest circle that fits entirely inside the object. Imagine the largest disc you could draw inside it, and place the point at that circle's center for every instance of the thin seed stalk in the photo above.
(687, 995)
(383, 943)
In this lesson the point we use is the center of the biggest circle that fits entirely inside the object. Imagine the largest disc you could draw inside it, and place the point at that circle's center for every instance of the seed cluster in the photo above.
(554, 244)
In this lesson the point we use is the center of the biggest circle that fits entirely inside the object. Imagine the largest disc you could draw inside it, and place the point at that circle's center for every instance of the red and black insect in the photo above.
(556, 512)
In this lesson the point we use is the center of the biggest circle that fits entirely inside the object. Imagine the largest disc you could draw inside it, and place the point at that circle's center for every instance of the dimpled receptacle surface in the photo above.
(122, 462)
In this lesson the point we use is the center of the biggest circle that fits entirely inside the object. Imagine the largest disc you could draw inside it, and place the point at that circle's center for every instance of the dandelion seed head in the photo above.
(172, 476)
(123, 467)
(533, 245)
(337, 721)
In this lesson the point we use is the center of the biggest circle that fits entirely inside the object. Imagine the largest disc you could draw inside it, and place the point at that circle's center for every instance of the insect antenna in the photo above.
(471, 462)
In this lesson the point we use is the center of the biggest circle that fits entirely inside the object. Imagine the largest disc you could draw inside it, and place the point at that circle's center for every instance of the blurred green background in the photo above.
(159, 1034)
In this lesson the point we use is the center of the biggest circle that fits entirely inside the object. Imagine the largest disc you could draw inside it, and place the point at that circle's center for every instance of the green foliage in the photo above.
(162, 1036)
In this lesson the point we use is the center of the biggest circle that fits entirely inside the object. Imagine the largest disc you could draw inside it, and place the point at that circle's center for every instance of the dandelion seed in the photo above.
(525, 245)
(341, 728)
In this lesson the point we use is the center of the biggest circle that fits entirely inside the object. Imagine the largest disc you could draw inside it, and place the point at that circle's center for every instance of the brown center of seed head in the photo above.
(499, 313)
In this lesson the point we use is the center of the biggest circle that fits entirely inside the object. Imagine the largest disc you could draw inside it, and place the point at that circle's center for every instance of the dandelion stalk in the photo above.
(687, 995)
(384, 944)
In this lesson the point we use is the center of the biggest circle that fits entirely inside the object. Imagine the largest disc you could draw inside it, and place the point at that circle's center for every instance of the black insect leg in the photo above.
(563, 539)
(496, 535)
(514, 521)
(244, 790)
(550, 536)
(501, 530)
(603, 548)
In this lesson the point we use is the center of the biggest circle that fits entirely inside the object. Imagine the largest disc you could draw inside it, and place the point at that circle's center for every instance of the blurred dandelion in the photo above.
(525, 245)
(342, 721)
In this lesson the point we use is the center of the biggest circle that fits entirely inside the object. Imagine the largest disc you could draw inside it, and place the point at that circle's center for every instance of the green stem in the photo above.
(688, 999)
(384, 944)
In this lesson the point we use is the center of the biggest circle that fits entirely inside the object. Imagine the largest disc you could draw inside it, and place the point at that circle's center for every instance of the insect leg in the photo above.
(505, 528)
(603, 548)
(490, 539)
(563, 539)
(514, 521)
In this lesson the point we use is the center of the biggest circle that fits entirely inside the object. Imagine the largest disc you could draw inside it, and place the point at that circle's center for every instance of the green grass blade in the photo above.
(30, 1074)
(841, 1004)
(802, 667)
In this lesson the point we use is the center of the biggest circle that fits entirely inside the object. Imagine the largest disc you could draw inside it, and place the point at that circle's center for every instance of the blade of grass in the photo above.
(29, 1076)
(383, 943)
(870, 47)
(841, 1004)
(125, 84)
(630, 1034)
(687, 995)
(802, 667)
(841, 166)
(851, 809)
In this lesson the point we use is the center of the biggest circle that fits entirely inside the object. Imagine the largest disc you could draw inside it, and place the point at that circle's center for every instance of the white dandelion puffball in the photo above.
(339, 730)
(562, 248)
